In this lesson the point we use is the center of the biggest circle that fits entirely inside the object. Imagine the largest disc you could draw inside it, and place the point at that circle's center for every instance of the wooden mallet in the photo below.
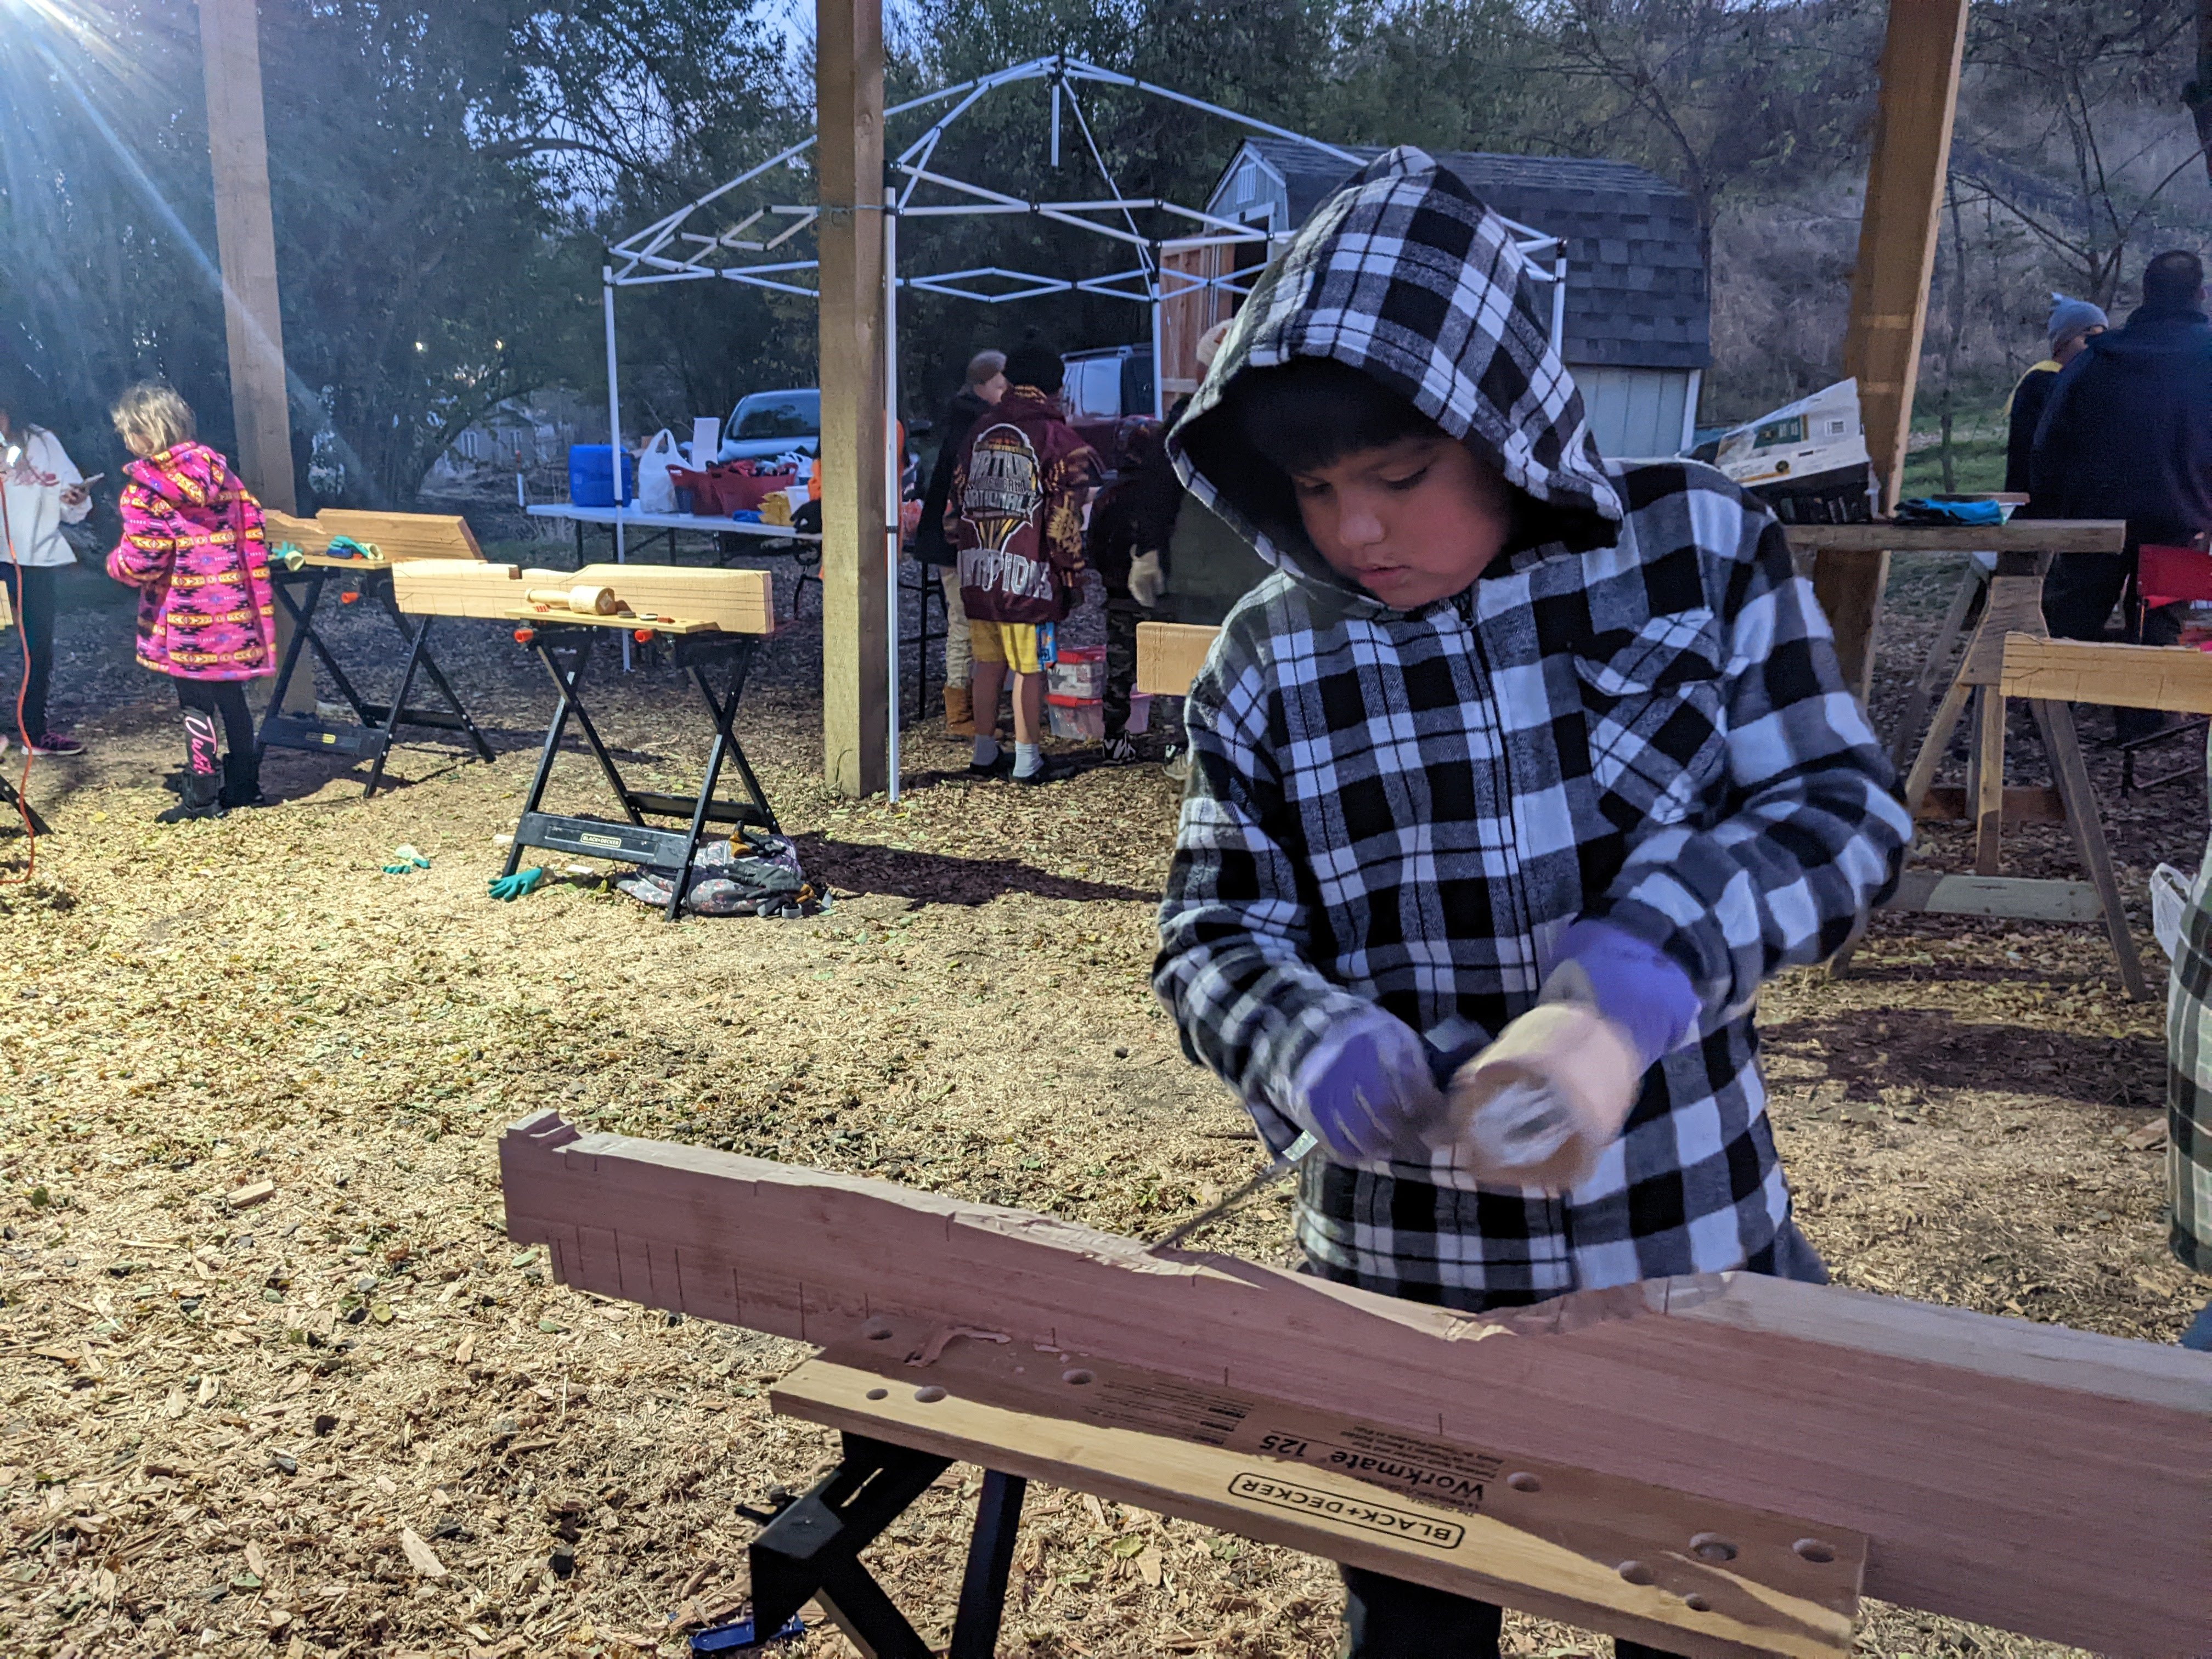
(592, 601)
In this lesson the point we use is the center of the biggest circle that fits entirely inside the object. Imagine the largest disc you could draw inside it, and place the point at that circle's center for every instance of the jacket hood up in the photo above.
(1404, 275)
(187, 475)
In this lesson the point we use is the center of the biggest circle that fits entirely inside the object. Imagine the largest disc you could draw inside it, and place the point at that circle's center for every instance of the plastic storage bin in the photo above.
(1078, 674)
(591, 476)
(1076, 718)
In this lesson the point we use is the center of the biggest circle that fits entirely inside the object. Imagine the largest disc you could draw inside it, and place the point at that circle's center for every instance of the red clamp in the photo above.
(525, 635)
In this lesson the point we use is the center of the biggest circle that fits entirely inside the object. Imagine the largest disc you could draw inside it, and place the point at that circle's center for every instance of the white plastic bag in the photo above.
(656, 490)
(2169, 899)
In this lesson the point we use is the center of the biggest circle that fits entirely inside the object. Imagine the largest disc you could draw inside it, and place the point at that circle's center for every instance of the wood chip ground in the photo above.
(352, 1420)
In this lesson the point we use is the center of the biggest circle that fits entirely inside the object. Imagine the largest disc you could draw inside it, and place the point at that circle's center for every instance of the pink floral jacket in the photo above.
(193, 547)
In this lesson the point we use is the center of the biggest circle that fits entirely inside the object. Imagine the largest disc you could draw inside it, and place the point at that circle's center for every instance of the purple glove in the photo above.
(1365, 1089)
(1637, 985)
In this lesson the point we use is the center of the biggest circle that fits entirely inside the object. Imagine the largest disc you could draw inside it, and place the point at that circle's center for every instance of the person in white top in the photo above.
(41, 490)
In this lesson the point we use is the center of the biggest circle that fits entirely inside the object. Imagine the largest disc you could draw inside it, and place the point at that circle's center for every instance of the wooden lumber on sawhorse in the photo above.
(2174, 678)
(395, 536)
(731, 601)
(2010, 606)
(1697, 1577)
(2022, 1475)
(1850, 566)
(300, 586)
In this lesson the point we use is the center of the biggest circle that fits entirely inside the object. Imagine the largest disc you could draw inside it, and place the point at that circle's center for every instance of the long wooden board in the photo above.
(395, 536)
(737, 601)
(2023, 1475)
(1706, 1580)
(2017, 898)
(1169, 655)
(2021, 536)
(2174, 678)
(730, 601)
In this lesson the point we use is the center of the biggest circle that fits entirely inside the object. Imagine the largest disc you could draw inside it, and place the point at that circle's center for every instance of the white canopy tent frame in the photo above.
(668, 251)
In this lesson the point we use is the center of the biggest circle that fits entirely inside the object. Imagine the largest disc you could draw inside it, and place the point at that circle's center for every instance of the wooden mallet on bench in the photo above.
(588, 599)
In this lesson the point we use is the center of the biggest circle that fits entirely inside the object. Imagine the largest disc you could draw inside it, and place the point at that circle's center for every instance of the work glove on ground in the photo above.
(518, 884)
(1539, 1106)
(1366, 1090)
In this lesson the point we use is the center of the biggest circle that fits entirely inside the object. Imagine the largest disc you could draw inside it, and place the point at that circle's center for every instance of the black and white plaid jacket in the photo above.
(1636, 714)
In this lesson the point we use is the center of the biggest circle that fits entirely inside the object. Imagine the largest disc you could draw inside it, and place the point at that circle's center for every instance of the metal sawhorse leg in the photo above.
(377, 724)
(565, 650)
(810, 1550)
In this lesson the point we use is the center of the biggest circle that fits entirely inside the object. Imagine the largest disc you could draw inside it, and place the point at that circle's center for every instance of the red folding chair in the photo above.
(2166, 575)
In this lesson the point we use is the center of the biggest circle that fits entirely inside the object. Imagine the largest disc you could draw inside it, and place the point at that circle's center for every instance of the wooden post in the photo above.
(246, 245)
(1897, 229)
(855, 617)
(1920, 61)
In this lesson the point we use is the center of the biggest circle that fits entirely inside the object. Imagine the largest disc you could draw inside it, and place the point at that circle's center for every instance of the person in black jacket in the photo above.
(2073, 323)
(2128, 434)
(985, 386)
(1126, 544)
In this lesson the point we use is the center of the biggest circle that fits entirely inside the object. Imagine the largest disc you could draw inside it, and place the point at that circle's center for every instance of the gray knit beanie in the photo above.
(2071, 317)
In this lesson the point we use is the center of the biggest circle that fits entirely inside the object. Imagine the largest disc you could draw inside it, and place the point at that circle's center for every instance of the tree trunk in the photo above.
(2197, 95)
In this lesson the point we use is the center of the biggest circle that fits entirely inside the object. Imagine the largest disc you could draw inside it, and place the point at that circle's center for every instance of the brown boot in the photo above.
(959, 712)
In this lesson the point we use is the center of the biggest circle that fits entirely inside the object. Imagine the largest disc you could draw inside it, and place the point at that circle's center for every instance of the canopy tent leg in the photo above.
(894, 463)
(614, 428)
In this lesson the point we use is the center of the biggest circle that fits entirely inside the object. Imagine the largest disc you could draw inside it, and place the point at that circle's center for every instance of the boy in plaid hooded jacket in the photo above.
(1509, 724)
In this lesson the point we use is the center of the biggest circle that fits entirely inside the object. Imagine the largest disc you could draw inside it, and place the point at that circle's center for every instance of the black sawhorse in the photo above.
(565, 648)
(809, 1549)
(370, 737)
(11, 801)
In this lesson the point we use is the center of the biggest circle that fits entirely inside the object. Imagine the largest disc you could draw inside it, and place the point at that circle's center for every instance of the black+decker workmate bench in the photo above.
(304, 577)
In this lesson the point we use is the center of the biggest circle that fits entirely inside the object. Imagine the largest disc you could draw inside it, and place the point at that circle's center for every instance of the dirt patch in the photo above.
(220, 1427)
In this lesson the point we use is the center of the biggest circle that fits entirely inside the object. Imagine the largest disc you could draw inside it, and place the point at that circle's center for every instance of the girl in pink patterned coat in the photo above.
(193, 547)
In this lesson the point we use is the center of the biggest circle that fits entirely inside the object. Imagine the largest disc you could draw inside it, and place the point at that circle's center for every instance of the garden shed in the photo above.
(1637, 333)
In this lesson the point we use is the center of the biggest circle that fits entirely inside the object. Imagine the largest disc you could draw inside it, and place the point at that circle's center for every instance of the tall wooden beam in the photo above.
(2024, 1475)
(1920, 61)
(245, 242)
(245, 249)
(848, 80)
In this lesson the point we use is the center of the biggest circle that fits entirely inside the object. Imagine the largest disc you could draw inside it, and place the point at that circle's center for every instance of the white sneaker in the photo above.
(1177, 765)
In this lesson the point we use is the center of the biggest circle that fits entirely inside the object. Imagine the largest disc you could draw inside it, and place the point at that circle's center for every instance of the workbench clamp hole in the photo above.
(1711, 1546)
(929, 1395)
(1078, 1378)
(1636, 1572)
(1524, 1482)
(879, 1393)
(1815, 1551)
(1697, 1603)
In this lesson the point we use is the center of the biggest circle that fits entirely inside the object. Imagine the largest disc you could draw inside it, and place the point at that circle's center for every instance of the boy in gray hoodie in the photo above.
(1510, 727)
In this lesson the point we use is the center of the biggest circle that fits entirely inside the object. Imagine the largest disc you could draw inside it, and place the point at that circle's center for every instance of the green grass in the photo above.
(1978, 463)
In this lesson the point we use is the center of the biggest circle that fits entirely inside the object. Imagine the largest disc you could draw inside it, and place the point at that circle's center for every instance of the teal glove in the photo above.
(518, 884)
(405, 861)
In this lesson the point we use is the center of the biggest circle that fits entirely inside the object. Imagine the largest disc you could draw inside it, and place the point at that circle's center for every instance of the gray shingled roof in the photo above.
(1637, 295)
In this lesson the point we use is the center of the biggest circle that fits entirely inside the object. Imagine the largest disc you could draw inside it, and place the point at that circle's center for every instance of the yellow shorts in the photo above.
(1014, 644)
